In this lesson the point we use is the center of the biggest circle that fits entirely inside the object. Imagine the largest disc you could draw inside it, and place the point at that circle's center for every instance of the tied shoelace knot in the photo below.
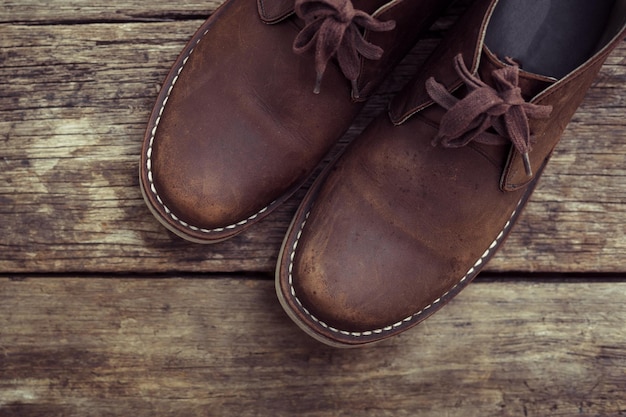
(335, 28)
(501, 107)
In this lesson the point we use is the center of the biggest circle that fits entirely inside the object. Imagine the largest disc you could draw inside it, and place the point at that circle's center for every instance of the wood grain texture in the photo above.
(74, 102)
(56, 11)
(105, 313)
(223, 347)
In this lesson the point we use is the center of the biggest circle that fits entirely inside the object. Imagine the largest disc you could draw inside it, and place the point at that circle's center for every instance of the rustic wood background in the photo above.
(105, 313)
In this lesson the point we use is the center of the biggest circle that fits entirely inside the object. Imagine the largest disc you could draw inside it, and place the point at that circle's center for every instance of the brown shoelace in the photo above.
(335, 28)
(501, 107)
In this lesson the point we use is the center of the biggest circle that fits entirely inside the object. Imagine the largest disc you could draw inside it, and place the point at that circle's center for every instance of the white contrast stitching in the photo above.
(149, 161)
(410, 318)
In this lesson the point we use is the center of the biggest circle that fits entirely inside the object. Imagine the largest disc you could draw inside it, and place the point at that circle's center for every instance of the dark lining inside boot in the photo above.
(548, 37)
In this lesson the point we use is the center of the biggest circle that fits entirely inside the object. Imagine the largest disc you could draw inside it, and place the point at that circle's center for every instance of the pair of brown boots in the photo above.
(413, 209)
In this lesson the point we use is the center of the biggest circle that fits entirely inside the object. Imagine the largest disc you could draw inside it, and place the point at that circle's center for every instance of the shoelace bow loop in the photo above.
(335, 28)
(500, 107)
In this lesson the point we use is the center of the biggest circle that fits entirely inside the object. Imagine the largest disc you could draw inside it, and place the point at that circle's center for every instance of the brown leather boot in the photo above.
(258, 97)
(419, 203)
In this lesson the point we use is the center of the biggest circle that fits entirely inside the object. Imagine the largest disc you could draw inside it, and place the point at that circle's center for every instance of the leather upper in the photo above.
(237, 128)
(273, 11)
(467, 39)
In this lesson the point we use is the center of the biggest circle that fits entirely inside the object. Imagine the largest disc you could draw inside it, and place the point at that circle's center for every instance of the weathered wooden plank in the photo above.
(74, 100)
(223, 347)
(58, 11)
